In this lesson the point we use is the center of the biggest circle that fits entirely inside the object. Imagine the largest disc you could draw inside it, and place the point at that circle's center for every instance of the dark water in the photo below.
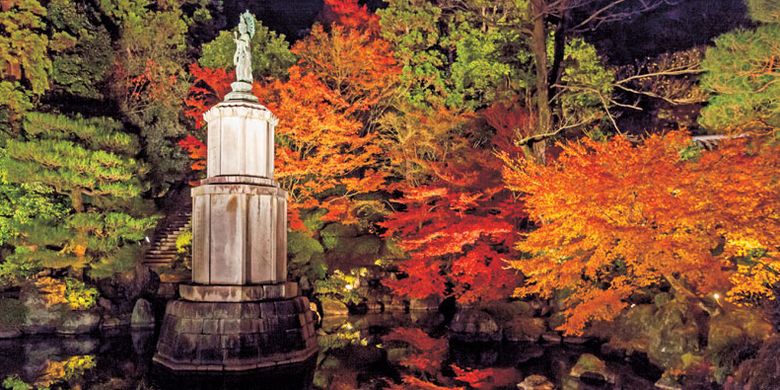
(366, 352)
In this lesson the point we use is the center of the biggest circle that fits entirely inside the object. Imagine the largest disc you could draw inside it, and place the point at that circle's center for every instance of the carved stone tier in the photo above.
(236, 336)
(239, 234)
(249, 293)
(240, 139)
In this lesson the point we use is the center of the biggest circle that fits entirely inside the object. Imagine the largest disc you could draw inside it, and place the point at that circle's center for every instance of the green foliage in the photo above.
(341, 286)
(271, 56)
(743, 73)
(12, 312)
(766, 11)
(306, 256)
(79, 295)
(149, 83)
(24, 61)
(331, 234)
(463, 56)
(413, 29)
(13, 382)
(587, 82)
(83, 53)
(84, 168)
(479, 69)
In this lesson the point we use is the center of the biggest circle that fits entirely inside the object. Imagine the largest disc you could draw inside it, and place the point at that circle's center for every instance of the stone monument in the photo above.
(240, 312)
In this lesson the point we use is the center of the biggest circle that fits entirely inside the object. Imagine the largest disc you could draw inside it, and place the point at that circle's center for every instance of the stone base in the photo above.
(236, 336)
(244, 293)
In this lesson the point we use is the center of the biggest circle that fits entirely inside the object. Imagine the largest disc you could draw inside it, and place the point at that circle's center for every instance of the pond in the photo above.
(408, 350)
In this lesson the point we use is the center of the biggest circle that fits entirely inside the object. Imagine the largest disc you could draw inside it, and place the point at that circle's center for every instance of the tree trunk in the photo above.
(539, 48)
(77, 200)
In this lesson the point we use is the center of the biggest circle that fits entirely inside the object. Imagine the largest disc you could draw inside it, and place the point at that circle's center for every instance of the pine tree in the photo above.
(743, 73)
(85, 167)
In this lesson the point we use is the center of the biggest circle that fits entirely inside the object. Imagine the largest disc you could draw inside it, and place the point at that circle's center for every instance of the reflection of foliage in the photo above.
(426, 353)
(70, 291)
(345, 335)
(486, 378)
(63, 371)
(13, 382)
(342, 286)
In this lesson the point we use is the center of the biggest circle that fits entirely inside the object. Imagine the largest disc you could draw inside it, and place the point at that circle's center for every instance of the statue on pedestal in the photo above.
(243, 56)
(242, 59)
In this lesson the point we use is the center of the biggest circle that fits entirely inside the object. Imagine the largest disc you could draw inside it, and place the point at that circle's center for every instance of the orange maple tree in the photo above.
(458, 225)
(615, 217)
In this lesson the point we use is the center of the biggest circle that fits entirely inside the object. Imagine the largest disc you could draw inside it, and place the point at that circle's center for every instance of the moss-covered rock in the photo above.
(590, 366)
(333, 308)
(12, 315)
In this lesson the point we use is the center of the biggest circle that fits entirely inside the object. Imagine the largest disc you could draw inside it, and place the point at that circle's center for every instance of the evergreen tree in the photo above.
(85, 169)
(743, 74)
(24, 61)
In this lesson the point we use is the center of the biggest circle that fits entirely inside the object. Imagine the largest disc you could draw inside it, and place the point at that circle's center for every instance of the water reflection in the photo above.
(365, 352)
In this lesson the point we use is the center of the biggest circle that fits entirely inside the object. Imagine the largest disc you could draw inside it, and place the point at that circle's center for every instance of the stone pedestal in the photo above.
(236, 336)
(239, 313)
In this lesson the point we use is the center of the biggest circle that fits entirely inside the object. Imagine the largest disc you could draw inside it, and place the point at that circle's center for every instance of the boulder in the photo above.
(41, 318)
(524, 329)
(475, 326)
(79, 322)
(591, 367)
(736, 324)
(143, 315)
(761, 372)
(333, 308)
(536, 382)
(430, 303)
(12, 316)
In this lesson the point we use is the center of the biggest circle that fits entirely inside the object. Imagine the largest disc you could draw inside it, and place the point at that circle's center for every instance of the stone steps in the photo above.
(163, 250)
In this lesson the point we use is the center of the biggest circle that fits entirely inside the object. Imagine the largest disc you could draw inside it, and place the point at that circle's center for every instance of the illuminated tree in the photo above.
(85, 169)
(456, 222)
(614, 218)
(743, 73)
(24, 61)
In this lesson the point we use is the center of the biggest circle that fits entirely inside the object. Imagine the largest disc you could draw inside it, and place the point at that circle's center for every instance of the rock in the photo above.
(591, 367)
(552, 338)
(668, 383)
(12, 316)
(575, 340)
(428, 304)
(475, 326)
(736, 325)
(506, 311)
(113, 322)
(524, 329)
(762, 372)
(373, 306)
(333, 308)
(536, 382)
(143, 315)
(40, 318)
(79, 322)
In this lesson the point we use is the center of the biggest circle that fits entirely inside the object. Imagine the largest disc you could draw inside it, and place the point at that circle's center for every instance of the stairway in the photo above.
(162, 253)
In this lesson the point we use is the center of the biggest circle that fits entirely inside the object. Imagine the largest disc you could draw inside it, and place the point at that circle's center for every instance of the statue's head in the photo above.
(246, 24)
